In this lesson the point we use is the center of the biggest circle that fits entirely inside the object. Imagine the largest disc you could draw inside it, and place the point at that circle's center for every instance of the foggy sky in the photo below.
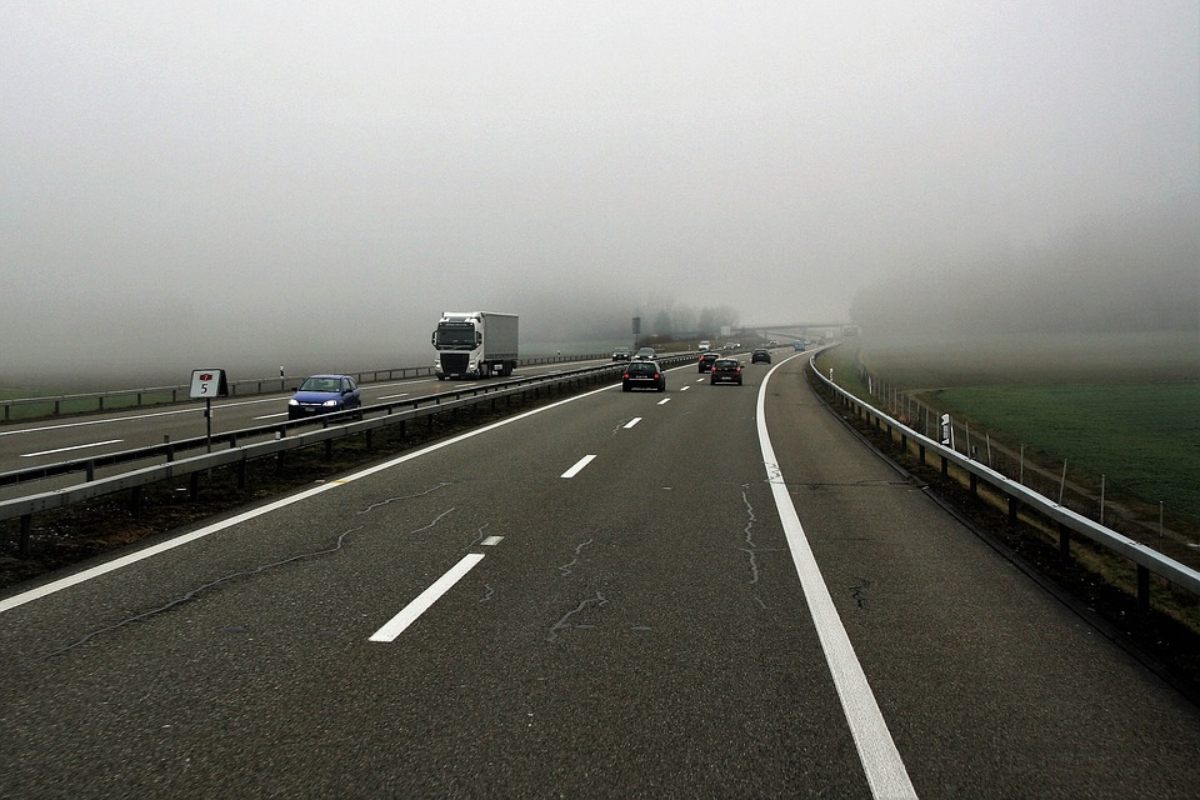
(187, 182)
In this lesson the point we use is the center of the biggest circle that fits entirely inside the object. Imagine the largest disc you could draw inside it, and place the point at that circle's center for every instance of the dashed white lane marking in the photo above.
(74, 447)
(491, 541)
(685, 388)
(877, 751)
(664, 401)
(701, 380)
(411, 612)
(392, 396)
(632, 422)
(272, 416)
(579, 465)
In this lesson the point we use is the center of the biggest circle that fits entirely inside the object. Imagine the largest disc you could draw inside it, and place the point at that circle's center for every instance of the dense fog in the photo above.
(261, 184)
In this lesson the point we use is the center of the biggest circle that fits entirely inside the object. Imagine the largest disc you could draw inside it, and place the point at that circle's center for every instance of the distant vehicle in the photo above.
(323, 394)
(798, 346)
(643, 375)
(726, 370)
(760, 354)
(622, 354)
(646, 354)
(705, 346)
(475, 344)
(706, 361)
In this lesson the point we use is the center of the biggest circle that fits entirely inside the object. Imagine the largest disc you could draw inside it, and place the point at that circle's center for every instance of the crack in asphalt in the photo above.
(436, 520)
(191, 595)
(391, 500)
(479, 538)
(859, 593)
(600, 602)
(194, 592)
(750, 549)
(565, 569)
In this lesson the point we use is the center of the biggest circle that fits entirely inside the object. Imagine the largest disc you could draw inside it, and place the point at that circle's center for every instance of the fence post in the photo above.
(26, 527)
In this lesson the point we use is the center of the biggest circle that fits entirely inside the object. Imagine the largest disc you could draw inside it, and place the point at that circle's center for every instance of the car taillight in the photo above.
(739, 369)
(657, 376)
(625, 377)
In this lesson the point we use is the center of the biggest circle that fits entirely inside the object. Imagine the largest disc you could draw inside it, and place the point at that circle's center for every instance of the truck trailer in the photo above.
(475, 344)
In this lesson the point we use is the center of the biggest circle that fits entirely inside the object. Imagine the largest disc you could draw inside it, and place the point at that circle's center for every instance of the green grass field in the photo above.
(1123, 406)
(1144, 438)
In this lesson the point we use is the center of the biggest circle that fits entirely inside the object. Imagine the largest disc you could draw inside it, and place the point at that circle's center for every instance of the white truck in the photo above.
(475, 344)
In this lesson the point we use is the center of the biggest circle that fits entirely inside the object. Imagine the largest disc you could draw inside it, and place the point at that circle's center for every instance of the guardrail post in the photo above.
(329, 449)
(974, 486)
(1013, 506)
(1064, 543)
(135, 501)
(921, 453)
(194, 485)
(241, 474)
(1143, 588)
(945, 467)
(101, 402)
(90, 469)
(23, 547)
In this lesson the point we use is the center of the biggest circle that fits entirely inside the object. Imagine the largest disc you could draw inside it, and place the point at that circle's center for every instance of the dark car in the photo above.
(321, 394)
(622, 354)
(726, 370)
(761, 354)
(706, 361)
(646, 354)
(644, 375)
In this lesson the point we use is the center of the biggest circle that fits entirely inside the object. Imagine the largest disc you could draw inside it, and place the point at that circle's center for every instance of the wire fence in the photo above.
(1093, 496)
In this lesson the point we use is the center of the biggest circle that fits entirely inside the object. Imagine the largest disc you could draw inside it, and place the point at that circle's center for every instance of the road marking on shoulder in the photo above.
(877, 751)
(392, 396)
(664, 401)
(411, 612)
(273, 416)
(579, 465)
(632, 422)
(74, 447)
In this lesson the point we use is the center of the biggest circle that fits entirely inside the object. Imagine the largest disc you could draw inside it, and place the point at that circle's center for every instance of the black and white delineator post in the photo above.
(207, 384)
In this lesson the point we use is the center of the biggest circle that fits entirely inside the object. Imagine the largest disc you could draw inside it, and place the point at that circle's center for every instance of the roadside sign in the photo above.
(208, 383)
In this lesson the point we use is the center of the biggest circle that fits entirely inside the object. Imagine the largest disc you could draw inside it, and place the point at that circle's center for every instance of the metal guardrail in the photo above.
(247, 387)
(333, 426)
(1147, 559)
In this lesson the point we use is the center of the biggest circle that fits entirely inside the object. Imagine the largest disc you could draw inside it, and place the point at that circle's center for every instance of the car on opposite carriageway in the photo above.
(323, 394)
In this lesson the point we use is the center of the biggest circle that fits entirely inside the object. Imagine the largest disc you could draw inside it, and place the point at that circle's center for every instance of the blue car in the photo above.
(321, 394)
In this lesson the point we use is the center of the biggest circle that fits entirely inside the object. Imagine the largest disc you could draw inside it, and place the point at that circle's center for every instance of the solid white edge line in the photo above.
(579, 465)
(72, 447)
(39, 592)
(411, 612)
(877, 751)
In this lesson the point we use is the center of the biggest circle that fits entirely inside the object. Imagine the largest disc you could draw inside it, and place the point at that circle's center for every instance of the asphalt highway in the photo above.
(713, 591)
